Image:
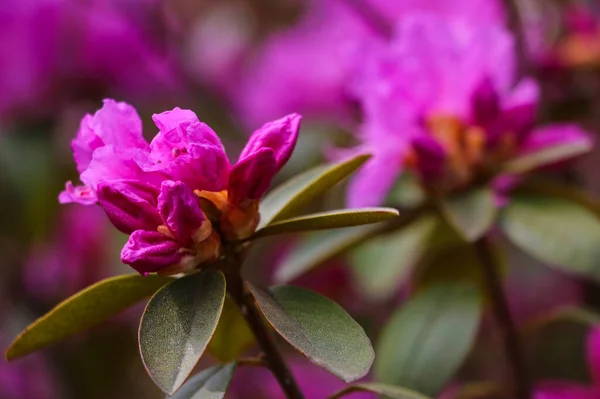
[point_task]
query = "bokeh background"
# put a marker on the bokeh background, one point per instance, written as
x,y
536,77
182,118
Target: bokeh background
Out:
x,y
237,64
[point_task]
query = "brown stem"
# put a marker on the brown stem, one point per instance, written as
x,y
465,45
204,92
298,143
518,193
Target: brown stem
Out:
x,y
504,320
264,337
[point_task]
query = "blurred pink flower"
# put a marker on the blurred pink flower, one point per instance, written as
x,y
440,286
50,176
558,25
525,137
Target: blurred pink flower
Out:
x,y
315,383
442,98
28,378
154,191
553,389
58,50
306,67
74,258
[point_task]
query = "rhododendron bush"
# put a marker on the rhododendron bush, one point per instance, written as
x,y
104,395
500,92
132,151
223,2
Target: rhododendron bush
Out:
x,y
305,199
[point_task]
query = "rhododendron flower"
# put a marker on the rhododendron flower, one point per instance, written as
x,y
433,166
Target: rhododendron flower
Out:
x,y
306,68
442,99
171,194
554,389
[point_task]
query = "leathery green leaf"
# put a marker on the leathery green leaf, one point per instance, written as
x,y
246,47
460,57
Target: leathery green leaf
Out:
x,y
471,213
319,328
320,247
381,264
427,339
547,156
177,324
300,190
211,383
556,231
83,310
232,336
328,220
386,390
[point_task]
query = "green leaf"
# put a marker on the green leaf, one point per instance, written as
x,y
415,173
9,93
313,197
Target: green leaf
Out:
x,y
556,231
211,383
407,192
388,391
381,264
177,324
328,220
471,213
426,341
319,328
547,156
283,201
83,310
321,247
569,193
232,336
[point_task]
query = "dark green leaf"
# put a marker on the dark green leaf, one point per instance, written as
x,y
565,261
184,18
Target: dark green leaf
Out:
x,y
300,190
319,328
382,263
388,391
319,248
85,309
554,230
426,340
547,156
208,384
328,220
471,213
177,325
232,336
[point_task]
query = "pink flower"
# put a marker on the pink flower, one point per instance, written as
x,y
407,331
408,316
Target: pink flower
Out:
x,y
441,98
569,390
306,68
159,193
74,257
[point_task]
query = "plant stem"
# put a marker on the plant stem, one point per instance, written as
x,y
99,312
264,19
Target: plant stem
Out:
x,y
264,337
504,320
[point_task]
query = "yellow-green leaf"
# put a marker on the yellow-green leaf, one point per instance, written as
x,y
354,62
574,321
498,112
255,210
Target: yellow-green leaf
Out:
x,y
427,339
177,325
211,383
320,247
319,328
328,220
232,336
559,232
547,156
471,213
381,264
300,190
387,391
85,309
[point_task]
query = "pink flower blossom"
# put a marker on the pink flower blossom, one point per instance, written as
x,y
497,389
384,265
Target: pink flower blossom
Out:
x,y
306,68
442,98
158,192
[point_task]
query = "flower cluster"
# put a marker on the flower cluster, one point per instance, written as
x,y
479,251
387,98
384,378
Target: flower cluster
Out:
x,y
442,99
178,197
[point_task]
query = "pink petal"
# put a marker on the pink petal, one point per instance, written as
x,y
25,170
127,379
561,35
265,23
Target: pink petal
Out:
x,y
118,124
180,210
129,204
169,120
150,252
279,135
553,144
593,354
372,183
251,177
85,142
78,194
